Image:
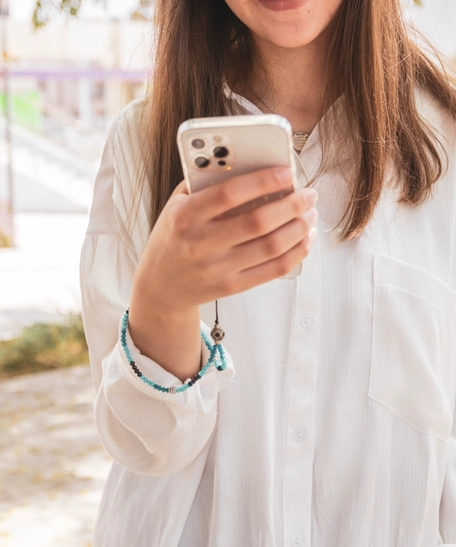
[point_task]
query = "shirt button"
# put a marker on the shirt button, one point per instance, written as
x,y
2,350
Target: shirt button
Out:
x,y
297,541
306,321
299,434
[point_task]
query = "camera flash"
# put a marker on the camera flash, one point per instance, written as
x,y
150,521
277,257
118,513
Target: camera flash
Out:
x,y
217,138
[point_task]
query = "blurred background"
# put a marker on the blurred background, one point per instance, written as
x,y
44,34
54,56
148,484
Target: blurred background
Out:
x,y
67,68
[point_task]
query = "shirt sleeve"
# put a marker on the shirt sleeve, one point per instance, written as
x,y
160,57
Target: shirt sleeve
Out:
x,y
144,430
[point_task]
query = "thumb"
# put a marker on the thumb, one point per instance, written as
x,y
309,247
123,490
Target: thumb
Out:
x,y
181,188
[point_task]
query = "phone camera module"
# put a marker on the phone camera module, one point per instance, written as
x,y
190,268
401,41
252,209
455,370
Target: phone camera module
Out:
x,y
221,152
201,161
198,143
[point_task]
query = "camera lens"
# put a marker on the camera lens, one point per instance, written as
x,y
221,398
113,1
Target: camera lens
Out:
x,y
201,161
221,152
198,143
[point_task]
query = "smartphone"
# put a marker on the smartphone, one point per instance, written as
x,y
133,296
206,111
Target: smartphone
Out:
x,y
216,149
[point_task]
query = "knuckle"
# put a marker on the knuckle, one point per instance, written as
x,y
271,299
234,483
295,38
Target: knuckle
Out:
x,y
272,246
265,180
298,204
211,272
258,221
178,219
226,195
194,251
283,266
228,286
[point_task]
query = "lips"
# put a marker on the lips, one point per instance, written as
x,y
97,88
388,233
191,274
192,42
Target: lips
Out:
x,y
282,5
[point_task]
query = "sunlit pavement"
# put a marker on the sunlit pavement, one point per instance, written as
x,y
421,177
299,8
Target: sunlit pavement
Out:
x,y
39,278
52,465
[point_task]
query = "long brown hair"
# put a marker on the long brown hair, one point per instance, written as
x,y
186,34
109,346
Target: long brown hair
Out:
x,y
378,65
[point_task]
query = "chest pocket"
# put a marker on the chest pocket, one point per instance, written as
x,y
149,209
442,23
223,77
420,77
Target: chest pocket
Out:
x,y
413,365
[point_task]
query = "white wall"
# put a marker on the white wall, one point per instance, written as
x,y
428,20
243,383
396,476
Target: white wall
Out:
x,y
124,44
92,37
436,19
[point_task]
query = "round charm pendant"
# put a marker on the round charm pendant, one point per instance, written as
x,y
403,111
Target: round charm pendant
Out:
x,y
217,334
299,140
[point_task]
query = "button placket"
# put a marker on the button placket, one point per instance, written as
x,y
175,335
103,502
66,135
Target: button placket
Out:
x,y
299,434
297,540
306,321
297,494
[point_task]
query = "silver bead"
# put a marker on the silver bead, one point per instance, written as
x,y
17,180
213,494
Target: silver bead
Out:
x,y
217,334
172,390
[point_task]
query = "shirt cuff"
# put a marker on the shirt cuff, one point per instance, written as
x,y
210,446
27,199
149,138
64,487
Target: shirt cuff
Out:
x,y
200,397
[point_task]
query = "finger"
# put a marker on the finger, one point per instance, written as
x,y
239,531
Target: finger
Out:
x,y
277,267
265,219
270,246
181,188
220,198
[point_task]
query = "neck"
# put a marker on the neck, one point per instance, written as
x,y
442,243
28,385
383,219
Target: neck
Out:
x,y
290,82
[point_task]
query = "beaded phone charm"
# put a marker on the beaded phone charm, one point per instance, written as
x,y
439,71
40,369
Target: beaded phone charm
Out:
x,y
217,356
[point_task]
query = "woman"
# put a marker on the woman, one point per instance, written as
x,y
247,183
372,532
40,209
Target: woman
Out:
x,y
338,427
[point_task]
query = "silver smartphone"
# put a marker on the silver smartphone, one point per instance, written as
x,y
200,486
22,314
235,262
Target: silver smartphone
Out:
x,y
216,149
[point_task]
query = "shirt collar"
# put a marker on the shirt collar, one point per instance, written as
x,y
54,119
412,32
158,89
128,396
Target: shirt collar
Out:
x,y
311,154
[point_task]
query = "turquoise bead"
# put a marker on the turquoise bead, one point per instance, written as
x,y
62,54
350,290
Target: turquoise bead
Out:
x,y
214,349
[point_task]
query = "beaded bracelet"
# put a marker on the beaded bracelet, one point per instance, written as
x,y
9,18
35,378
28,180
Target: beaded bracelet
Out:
x,y
217,357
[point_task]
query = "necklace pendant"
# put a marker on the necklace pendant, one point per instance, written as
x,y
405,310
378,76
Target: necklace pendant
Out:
x,y
299,140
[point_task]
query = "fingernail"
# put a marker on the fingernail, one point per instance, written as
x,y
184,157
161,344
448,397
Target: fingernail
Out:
x,y
311,215
313,234
283,174
312,197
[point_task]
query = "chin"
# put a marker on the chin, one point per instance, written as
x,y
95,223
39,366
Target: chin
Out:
x,y
286,23
290,39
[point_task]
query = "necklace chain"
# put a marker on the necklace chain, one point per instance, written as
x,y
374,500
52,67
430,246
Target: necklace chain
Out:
x,y
299,137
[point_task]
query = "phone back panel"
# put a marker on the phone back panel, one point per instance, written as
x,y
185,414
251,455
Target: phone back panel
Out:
x,y
233,145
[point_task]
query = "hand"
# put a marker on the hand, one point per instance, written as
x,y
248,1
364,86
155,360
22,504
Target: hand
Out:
x,y
193,257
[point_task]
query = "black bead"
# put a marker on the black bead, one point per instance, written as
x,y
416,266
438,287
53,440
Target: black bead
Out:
x,y
127,312
139,373
132,363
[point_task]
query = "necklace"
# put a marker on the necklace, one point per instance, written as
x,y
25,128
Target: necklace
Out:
x,y
299,137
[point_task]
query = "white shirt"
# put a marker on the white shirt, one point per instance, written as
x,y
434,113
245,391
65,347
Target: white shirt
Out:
x,y
338,428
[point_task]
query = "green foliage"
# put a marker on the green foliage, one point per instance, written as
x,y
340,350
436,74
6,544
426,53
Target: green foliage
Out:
x,y
45,10
144,11
45,346
5,240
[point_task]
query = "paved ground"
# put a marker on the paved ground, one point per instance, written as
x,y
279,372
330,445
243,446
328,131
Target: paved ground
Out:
x,y
52,465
